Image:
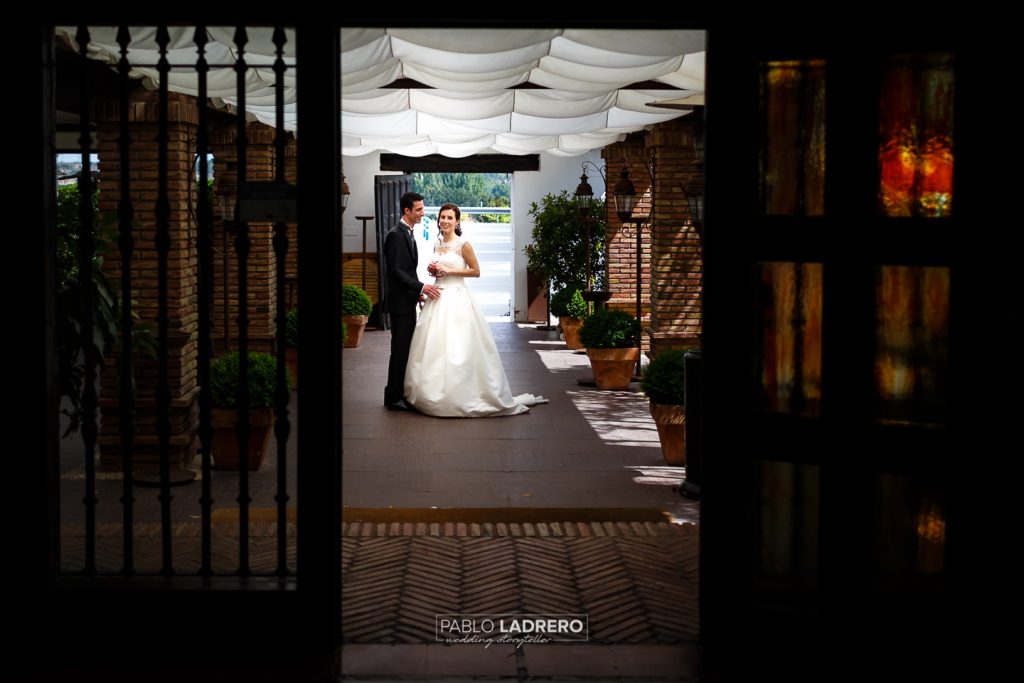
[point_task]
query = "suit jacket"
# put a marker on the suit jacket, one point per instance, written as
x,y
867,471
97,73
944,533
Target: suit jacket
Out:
x,y
403,288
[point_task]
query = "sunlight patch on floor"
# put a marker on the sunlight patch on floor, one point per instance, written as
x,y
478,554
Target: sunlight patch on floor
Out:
x,y
618,417
659,476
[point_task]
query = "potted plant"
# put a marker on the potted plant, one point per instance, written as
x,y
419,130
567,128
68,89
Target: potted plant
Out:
x,y
610,335
558,250
663,382
291,340
355,310
224,389
569,306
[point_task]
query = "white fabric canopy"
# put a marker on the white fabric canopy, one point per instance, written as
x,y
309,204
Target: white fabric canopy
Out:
x,y
574,100
469,72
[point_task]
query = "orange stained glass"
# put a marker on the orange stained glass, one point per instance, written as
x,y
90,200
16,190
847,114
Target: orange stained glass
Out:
x,y
912,343
915,155
909,528
790,302
792,149
788,523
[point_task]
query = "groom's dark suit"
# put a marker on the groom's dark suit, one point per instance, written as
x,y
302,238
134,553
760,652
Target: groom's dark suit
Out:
x,y
400,260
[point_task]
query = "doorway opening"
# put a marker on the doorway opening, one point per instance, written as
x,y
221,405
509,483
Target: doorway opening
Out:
x,y
485,203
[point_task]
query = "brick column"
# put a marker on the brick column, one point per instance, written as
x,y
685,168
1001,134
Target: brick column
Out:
x,y
262,304
676,256
291,267
182,267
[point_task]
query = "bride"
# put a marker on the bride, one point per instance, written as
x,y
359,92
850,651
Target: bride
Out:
x,y
454,369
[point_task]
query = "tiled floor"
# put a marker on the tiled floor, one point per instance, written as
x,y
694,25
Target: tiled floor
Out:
x,y
585,449
589,459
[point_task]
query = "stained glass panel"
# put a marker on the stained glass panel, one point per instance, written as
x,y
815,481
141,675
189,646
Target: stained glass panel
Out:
x,y
915,155
790,301
792,150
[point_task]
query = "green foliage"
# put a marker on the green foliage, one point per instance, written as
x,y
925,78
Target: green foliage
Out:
x,y
558,251
73,347
355,301
662,380
67,233
609,328
577,306
224,380
464,189
291,327
562,298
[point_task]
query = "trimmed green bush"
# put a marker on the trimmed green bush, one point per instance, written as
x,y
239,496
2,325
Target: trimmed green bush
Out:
x,y
560,301
663,379
291,327
577,306
355,301
224,383
609,328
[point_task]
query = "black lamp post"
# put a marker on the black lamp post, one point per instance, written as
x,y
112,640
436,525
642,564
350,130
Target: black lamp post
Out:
x,y
585,204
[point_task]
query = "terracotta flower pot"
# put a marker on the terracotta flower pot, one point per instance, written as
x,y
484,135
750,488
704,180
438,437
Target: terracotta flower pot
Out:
x,y
225,440
671,422
356,324
613,368
571,330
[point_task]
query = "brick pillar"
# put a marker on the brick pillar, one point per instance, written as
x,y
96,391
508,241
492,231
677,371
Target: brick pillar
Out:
x,y
182,268
676,256
631,154
262,303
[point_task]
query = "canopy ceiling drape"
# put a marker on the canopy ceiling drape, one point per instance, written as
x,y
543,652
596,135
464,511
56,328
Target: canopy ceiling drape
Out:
x,y
454,92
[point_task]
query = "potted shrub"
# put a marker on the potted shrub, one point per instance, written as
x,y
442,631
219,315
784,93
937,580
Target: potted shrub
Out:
x,y
355,310
610,336
291,351
569,306
224,388
557,252
663,382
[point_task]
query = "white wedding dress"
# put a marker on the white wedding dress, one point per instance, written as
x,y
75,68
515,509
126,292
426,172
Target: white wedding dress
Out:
x,y
454,368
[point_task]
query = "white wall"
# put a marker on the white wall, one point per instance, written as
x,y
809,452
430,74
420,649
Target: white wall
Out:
x,y
359,173
555,174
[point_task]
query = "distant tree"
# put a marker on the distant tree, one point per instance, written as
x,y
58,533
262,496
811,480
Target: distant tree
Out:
x,y
464,189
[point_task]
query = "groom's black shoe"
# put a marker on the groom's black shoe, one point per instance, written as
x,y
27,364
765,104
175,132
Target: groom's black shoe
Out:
x,y
399,405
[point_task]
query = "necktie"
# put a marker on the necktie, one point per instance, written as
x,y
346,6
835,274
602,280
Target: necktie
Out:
x,y
412,242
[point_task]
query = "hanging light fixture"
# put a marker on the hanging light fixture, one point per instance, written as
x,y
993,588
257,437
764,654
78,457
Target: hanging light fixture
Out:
x,y
624,195
584,196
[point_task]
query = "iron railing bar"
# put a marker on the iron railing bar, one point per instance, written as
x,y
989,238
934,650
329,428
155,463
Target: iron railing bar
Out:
x,y
242,244
212,65
205,256
126,245
163,245
282,426
86,248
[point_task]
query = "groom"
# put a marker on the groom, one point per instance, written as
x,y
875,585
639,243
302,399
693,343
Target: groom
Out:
x,y
403,293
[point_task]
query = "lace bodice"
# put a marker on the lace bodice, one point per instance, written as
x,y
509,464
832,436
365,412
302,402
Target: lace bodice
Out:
x,y
450,255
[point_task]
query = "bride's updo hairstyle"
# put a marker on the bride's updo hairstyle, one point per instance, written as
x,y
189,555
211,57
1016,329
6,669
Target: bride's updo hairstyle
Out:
x,y
458,218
